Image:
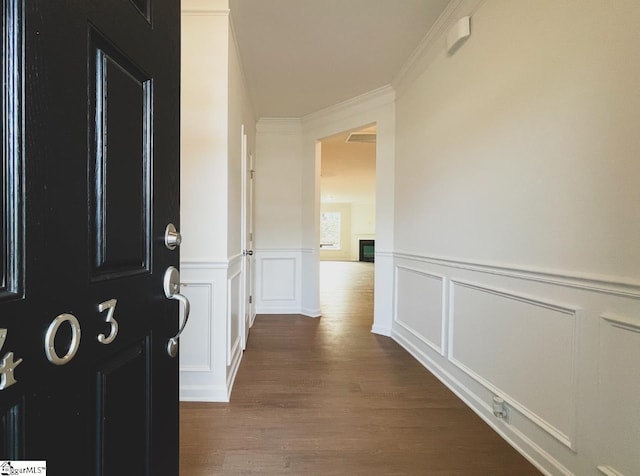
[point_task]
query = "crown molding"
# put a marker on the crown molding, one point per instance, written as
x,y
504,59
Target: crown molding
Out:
x,y
433,43
359,104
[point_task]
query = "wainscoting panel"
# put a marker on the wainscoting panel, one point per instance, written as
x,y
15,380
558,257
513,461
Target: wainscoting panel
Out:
x,y
278,286
278,279
234,317
195,356
208,362
420,306
527,337
559,350
619,375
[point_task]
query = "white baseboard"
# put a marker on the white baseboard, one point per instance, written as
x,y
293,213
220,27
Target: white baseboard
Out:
x,y
278,310
383,331
311,312
204,393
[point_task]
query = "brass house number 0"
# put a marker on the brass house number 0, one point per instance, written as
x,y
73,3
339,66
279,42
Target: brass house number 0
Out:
x,y
8,364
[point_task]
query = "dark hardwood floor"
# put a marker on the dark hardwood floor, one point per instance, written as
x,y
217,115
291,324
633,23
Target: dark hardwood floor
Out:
x,y
327,397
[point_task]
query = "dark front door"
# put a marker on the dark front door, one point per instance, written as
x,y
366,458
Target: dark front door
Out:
x,y
90,158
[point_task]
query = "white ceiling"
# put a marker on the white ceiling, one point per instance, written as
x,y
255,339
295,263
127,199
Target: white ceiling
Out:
x,y
301,56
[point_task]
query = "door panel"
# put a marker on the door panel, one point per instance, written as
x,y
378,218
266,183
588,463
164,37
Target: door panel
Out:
x,y
123,398
144,7
82,233
120,118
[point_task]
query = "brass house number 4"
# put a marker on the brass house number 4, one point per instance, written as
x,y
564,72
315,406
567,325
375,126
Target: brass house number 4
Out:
x,y
8,364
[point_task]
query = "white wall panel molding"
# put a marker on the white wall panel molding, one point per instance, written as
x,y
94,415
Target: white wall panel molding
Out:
x,y
203,264
233,316
354,106
619,393
623,322
280,251
198,334
236,358
515,327
589,282
278,281
564,359
235,259
420,305
545,462
278,277
205,346
609,471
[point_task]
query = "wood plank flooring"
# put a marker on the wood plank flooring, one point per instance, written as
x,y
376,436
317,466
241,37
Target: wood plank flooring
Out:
x,y
326,397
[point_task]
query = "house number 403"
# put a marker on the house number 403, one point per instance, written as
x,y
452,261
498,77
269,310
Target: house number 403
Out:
x,y
8,364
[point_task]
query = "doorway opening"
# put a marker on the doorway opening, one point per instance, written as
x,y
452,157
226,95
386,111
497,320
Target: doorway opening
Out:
x,y
347,209
347,193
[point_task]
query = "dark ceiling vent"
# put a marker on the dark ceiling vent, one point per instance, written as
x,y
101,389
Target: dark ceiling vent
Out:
x,y
366,137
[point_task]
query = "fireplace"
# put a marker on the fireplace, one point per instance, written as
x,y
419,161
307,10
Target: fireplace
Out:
x,y
367,250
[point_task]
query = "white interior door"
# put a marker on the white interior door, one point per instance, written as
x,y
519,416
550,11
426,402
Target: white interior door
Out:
x,y
247,240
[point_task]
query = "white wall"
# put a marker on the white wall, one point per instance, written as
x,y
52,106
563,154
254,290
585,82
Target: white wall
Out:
x,y
517,266
215,110
278,228
204,125
278,185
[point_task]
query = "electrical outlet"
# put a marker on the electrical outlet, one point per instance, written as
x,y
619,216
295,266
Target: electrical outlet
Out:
x,y
500,408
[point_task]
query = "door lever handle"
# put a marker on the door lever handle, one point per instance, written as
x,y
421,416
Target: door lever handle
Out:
x,y
171,286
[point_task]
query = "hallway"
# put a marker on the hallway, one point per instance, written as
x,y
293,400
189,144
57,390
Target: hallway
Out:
x,y
326,397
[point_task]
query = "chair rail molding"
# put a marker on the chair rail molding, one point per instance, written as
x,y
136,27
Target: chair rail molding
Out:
x,y
590,282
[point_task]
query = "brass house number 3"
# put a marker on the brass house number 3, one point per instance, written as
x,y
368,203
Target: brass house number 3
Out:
x,y
8,364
